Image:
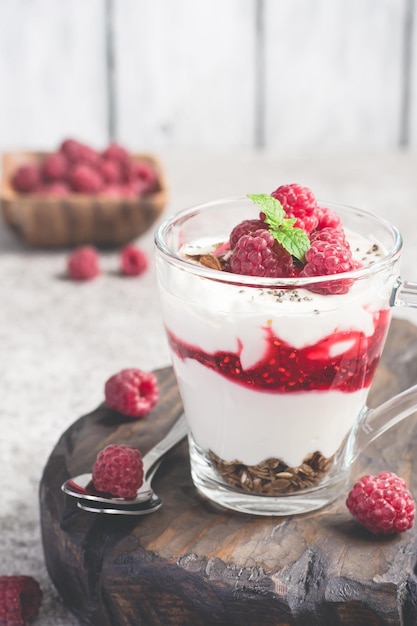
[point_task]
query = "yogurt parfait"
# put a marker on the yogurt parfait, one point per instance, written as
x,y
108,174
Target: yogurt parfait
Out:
x,y
276,309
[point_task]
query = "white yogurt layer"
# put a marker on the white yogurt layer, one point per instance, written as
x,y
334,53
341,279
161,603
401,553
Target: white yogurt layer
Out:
x,y
238,423
246,424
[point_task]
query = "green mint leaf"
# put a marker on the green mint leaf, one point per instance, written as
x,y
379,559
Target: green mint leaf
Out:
x,y
274,213
289,222
294,240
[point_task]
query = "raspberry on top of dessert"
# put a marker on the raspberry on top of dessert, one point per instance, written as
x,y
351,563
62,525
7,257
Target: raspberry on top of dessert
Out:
x,y
292,237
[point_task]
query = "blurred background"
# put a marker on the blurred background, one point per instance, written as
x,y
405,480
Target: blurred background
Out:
x,y
283,75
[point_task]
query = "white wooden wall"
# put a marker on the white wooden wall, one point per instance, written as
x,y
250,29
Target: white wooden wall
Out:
x,y
285,75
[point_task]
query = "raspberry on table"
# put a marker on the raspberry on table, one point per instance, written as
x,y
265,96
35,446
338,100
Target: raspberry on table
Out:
x,y
245,228
259,254
300,203
20,600
27,178
382,503
132,392
83,178
133,261
83,263
118,471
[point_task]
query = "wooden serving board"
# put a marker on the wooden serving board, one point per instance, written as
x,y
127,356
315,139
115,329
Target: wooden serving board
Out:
x,y
192,563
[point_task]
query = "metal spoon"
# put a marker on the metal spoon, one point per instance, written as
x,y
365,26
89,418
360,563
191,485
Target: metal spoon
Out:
x,y
150,506
146,500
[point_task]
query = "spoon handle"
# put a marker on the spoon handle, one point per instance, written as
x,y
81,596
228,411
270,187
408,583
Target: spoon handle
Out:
x,y
175,434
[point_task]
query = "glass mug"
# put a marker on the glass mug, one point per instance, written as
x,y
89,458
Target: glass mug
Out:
x,y
273,375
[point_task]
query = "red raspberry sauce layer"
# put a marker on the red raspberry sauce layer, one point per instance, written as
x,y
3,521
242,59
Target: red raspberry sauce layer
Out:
x,y
284,369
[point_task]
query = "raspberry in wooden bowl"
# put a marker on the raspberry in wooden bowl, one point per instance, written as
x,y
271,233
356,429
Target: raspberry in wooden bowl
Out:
x,y
78,195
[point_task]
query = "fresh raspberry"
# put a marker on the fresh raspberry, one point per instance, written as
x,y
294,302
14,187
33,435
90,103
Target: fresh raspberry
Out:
x,y
329,254
27,178
112,191
245,228
118,471
116,152
20,600
85,179
133,261
77,152
56,189
136,188
382,503
142,172
331,235
83,263
111,171
259,254
132,392
54,167
328,219
300,203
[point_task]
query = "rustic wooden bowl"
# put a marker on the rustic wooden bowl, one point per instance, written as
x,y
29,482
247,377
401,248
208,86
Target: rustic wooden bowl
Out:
x,y
76,219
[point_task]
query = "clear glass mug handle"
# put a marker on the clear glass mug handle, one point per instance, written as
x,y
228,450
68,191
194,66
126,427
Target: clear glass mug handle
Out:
x,y
404,293
375,422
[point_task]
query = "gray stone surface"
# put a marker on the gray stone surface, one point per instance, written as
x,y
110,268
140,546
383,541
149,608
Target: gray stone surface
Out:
x,y
60,340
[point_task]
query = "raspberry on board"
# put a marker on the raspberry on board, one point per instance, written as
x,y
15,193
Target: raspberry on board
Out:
x,y
259,254
132,392
298,202
83,263
20,600
133,261
382,503
118,471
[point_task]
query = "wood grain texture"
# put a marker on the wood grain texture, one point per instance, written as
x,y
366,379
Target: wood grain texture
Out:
x,y
194,564
52,72
315,74
185,72
333,73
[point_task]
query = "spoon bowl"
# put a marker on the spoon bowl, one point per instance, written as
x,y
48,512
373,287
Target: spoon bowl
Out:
x,y
145,500
150,505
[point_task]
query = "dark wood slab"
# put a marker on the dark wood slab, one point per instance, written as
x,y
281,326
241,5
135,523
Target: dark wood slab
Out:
x,y
194,564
